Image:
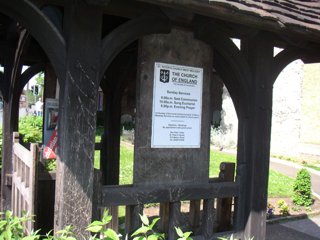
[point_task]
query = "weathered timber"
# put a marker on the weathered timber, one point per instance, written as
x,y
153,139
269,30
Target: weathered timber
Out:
x,y
174,165
7,127
228,61
50,82
224,205
131,195
29,73
114,223
23,180
174,219
164,217
133,221
208,219
41,28
254,139
129,32
77,118
194,214
119,74
282,59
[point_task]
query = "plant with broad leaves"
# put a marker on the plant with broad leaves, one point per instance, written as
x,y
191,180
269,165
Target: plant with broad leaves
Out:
x,y
99,228
232,238
64,234
183,235
11,227
146,231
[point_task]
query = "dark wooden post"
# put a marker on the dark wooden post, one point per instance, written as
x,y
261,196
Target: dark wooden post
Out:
x,y
50,82
174,164
208,218
7,128
254,137
77,117
224,205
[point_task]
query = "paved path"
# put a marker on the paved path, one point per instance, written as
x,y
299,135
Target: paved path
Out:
x,y
290,169
304,229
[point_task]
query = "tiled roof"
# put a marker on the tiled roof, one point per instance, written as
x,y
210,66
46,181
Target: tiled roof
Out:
x,y
288,13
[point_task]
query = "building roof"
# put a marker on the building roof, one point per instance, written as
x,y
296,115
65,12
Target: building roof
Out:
x,y
289,13
292,17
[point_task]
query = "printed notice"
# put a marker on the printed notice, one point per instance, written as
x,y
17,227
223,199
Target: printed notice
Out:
x,y
177,105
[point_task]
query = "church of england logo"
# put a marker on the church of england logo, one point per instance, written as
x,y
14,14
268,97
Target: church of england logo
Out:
x,y
164,75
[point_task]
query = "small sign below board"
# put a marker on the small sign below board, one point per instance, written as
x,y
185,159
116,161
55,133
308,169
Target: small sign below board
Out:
x,y
177,106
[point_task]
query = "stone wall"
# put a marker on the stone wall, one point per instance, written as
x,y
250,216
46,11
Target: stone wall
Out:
x,y
310,105
296,112
286,117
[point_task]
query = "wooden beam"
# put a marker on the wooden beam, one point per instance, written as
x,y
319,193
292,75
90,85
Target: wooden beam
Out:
x,y
77,118
41,28
30,73
7,128
233,67
121,72
254,139
131,195
129,32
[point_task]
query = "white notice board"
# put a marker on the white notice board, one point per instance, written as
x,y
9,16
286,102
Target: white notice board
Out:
x,y
177,106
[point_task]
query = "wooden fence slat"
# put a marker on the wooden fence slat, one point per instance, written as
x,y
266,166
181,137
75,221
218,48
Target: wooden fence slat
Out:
x,y
224,205
208,218
174,219
164,217
194,214
23,179
133,221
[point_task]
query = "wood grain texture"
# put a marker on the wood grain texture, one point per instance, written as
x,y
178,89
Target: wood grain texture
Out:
x,y
130,195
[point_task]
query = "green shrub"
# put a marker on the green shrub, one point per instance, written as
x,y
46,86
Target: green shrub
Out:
x,y
30,128
302,189
12,228
284,208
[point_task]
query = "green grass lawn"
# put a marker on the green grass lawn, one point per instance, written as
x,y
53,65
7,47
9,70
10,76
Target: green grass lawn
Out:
x,y
279,185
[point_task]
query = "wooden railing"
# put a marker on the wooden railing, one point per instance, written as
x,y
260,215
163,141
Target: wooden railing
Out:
x,y
210,205
23,179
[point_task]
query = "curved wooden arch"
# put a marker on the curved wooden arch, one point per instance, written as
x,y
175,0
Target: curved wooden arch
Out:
x,y
30,73
129,32
41,28
283,59
230,63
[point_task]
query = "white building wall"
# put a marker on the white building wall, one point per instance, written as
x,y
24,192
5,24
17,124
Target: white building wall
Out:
x,y
286,119
286,115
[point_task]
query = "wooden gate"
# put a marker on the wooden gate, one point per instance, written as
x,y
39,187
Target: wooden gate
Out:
x,y
23,179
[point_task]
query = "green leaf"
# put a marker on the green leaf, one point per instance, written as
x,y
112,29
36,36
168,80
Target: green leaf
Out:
x,y
153,237
154,221
71,238
31,238
141,230
144,219
111,234
94,228
96,223
179,232
187,234
140,238
106,217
